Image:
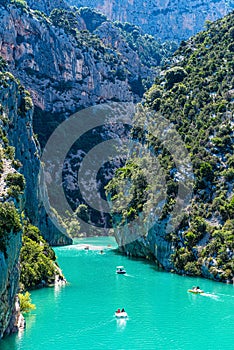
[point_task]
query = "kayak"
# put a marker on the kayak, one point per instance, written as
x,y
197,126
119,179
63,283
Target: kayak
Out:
x,y
196,291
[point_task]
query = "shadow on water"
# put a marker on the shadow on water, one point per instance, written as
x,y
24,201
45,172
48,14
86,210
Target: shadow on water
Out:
x,y
133,258
9,343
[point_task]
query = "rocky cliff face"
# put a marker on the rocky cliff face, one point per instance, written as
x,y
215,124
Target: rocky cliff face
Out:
x,y
171,19
46,60
9,278
18,109
193,236
67,68
16,130
10,238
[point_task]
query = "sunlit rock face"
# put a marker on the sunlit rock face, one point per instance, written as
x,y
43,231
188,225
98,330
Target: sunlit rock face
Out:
x,y
16,130
167,19
63,75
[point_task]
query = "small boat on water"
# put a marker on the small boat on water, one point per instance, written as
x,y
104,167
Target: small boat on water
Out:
x,y
196,290
120,270
121,314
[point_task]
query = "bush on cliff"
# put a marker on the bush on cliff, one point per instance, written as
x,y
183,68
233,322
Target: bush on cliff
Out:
x,y
26,302
195,94
37,260
9,222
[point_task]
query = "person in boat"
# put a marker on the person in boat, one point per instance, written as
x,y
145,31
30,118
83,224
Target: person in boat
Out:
x,y
122,310
196,288
118,311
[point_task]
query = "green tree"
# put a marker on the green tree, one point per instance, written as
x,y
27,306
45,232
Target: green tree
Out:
x,y
92,18
9,222
37,260
26,302
174,75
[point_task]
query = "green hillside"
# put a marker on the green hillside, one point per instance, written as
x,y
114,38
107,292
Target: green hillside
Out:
x,y
196,94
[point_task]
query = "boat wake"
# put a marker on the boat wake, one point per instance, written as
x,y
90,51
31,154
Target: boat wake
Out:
x,y
209,295
127,275
97,325
226,295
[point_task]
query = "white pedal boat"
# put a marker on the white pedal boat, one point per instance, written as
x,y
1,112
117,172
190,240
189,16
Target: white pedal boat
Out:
x,y
120,270
121,314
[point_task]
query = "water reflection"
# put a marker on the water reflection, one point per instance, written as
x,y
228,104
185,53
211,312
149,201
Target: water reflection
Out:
x,y
121,323
57,288
20,333
30,320
60,282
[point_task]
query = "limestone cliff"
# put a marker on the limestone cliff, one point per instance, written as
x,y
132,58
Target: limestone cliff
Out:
x,y
193,144
18,109
67,66
68,69
11,205
170,19
18,150
9,278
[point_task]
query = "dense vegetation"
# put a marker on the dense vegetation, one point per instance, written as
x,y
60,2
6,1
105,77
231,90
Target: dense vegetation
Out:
x,y
37,260
18,3
150,51
196,94
92,18
9,222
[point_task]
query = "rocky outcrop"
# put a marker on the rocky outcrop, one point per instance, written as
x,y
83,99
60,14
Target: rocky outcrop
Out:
x,y
66,73
62,76
18,110
9,278
111,36
67,69
192,233
16,130
10,240
145,238
174,19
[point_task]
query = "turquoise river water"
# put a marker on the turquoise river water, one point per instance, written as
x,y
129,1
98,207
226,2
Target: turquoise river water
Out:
x,y
162,314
